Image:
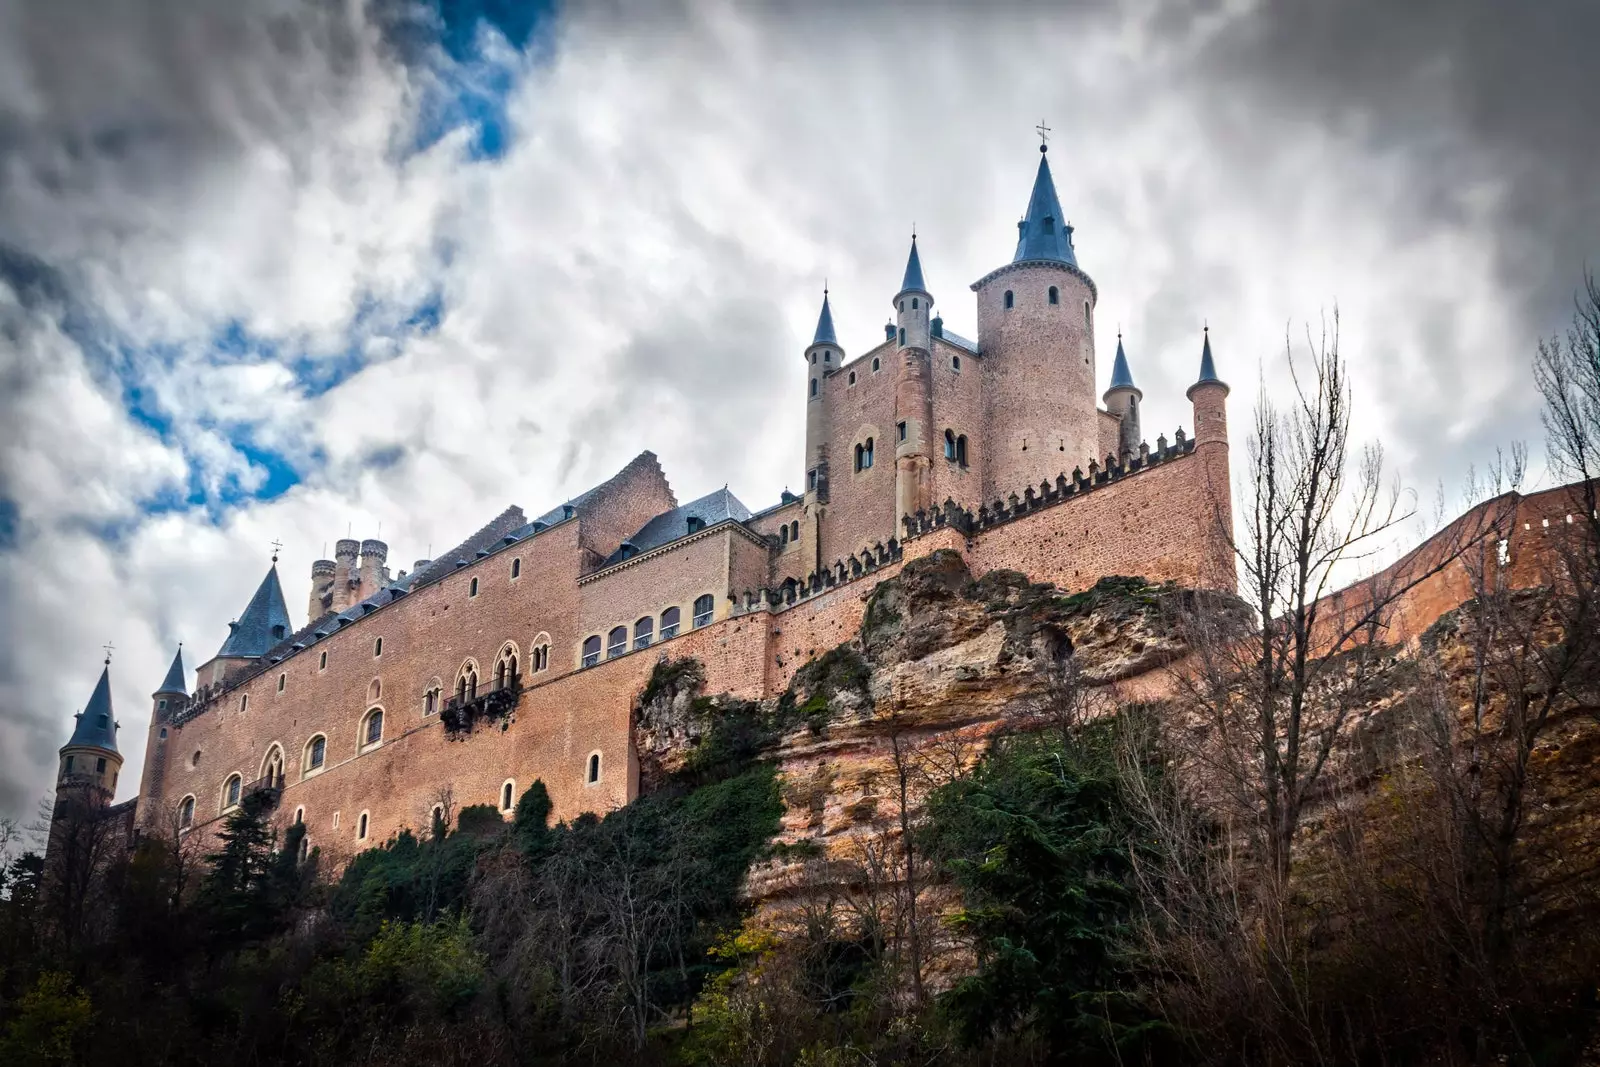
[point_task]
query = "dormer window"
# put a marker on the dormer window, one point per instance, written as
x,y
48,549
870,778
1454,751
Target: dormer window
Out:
x,y
278,633
628,551
696,524
1049,224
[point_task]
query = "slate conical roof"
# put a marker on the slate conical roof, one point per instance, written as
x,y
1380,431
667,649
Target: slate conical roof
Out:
x,y
173,682
825,334
96,727
264,623
1043,233
1121,376
1208,367
913,279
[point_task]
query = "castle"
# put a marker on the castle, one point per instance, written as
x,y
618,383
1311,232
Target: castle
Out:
x,y
518,654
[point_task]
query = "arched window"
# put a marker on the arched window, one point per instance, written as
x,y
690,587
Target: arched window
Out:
x,y
361,827
949,444
859,452
961,450
377,648
704,606
783,536
875,364
1086,317
505,667
231,790
955,362
372,729
316,753
507,794
516,568
902,335
322,663
591,650
375,690
866,454
794,530
592,773
467,682
616,642
272,766
669,623
813,357
1055,295
299,816
430,699
852,377
244,703
813,387
472,590
1010,300
186,813
914,304
282,680
644,631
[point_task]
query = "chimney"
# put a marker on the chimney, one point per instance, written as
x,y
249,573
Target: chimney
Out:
x,y
322,572
346,575
374,575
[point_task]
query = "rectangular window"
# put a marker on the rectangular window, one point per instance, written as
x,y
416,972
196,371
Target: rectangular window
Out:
x,y
281,679
244,702
902,428
100,765
69,764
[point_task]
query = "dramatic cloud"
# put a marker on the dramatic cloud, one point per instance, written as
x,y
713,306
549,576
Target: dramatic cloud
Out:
x,y
276,271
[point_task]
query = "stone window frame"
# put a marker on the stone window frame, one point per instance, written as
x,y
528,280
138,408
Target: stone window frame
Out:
x,y
509,654
232,792
186,807
866,434
877,364
435,690
244,703
375,690
472,588
336,820
698,618
643,629
377,646
539,653
283,761
617,647
516,567
283,680
851,380
955,363
1008,301
194,759
508,795
676,624
587,658
593,769
322,664
307,769
363,824
362,742
469,671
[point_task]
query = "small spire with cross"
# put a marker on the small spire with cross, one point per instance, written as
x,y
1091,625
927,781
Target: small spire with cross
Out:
x,y
277,546
1044,136
109,648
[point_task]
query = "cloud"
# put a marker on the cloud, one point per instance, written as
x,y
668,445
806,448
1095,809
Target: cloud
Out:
x,y
283,271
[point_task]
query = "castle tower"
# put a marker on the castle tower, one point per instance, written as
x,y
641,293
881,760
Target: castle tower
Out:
x,y
374,575
321,601
263,623
346,574
822,355
1209,396
1123,399
913,393
87,777
1036,337
166,701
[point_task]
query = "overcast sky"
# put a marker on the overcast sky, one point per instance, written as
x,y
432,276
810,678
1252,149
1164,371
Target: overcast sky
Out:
x,y
279,271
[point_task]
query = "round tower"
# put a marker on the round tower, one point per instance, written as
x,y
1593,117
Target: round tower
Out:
x,y
1209,396
165,702
374,573
1036,337
86,778
1122,400
347,574
322,574
823,355
913,393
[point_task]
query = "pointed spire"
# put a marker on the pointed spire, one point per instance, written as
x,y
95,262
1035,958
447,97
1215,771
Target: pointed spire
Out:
x,y
1208,366
1043,233
825,334
96,727
173,683
264,623
913,280
1121,376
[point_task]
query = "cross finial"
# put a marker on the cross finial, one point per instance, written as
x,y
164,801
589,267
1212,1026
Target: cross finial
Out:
x,y
109,648
1044,136
276,547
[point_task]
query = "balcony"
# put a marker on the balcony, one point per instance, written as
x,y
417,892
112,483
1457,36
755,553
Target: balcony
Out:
x,y
270,786
494,702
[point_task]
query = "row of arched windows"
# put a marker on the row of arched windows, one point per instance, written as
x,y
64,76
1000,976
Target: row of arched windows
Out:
x,y
617,641
955,447
789,532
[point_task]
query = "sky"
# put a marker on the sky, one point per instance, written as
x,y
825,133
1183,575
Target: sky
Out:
x,y
288,271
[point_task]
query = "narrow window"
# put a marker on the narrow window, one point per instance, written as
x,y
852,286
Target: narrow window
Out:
x,y
961,450
813,387
231,792
949,445
794,529
282,678
1055,295
827,357
430,702
866,455
813,358
902,305
902,336
361,828
955,362
852,377
516,568
194,760
900,428
783,537
374,726
186,813
472,590
594,768
704,606
1049,226
543,654
375,690
811,479
1009,300
616,642
914,303
875,364
100,765
377,648
299,816
1086,318
669,623
305,848
591,650
68,767
322,664
244,702
335,820
644,632
316,751
161,705
505,796
859,451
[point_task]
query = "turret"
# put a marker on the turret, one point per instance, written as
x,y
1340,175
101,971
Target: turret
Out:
x,y
913,393
823,355
263,623
90,763
1209,395
1123,399
321,601
346,574
374,575
1036,336
166,701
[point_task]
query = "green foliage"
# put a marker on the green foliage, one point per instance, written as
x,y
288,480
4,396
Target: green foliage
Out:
x,y
46,1027
1039,840
407,881
250,886
531,823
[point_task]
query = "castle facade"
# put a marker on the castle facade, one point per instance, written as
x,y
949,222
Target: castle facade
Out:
x,y
518,654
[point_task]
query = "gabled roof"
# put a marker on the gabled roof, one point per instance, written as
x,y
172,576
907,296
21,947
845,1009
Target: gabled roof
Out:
x,y
264,623
1043,233
671,525
913,279
825,334
173,683
1121,376
96,727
